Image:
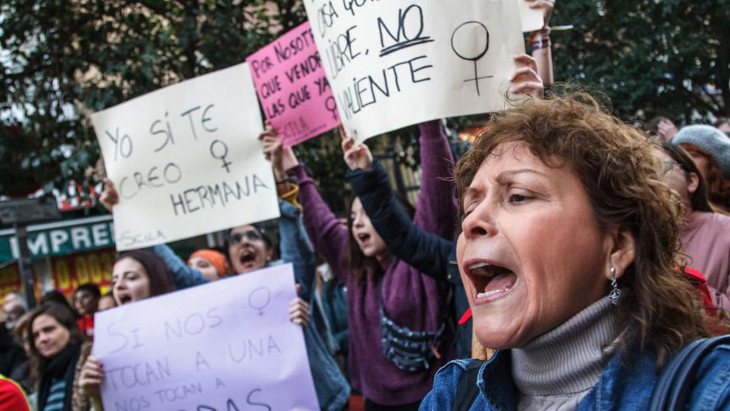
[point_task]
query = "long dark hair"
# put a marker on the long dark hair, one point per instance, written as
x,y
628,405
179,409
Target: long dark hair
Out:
x,y
362,267
64,315
700,199
157,271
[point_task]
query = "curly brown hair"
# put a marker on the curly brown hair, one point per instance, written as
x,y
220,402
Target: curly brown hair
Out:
x,y
616,165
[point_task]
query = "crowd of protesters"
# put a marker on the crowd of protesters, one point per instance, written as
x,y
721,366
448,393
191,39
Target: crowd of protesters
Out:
x,y
562,263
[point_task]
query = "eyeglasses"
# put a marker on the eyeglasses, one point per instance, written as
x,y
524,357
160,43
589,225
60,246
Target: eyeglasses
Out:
x,y
668,166
250,235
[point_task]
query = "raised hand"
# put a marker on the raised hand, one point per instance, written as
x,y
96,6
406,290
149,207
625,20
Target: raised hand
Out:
x,y
666,130
109,196
282,158
299,312
92,374
356,155
525,79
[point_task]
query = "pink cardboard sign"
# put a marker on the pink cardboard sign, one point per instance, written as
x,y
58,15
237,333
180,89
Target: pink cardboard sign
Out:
x,y
292,86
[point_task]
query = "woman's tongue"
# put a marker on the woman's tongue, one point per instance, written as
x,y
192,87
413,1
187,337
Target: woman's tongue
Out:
x,y
500,283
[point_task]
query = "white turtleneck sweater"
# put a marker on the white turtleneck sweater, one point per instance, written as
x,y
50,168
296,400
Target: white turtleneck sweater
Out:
x,y
556,370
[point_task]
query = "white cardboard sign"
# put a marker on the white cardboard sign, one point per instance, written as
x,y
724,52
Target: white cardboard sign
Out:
x,y
227,345
400,62
186,161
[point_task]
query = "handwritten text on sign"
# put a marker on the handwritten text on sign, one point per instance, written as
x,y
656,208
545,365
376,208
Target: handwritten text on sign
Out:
x,y
186,160
228,345
292,86
401,62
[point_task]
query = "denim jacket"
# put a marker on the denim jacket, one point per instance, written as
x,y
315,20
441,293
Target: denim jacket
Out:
x,y
330,385
623,385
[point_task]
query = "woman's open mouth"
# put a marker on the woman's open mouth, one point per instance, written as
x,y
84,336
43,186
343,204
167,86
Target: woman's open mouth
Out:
x,y
125,299
247,257
491,281
363,238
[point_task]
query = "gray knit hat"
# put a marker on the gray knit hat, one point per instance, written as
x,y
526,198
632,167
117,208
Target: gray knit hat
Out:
x,y
709,139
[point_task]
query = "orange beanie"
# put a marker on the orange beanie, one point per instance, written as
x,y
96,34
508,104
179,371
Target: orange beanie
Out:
x,y
215,258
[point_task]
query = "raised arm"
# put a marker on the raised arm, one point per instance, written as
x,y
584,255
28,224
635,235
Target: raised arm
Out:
x,y
436,207
295,248
324,230
540,45
424,251
294,245
183,276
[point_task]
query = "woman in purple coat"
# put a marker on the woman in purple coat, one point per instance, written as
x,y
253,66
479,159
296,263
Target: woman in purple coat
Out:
x,y
397,315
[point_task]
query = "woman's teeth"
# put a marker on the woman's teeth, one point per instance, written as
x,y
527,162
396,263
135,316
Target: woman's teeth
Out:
x,y
493,292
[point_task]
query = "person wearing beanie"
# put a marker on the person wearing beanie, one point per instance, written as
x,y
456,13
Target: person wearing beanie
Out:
x,y
710,151
213,264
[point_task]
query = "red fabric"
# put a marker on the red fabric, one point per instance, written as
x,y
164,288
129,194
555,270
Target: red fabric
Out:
x,y
86,325
12,397
465,317
698,280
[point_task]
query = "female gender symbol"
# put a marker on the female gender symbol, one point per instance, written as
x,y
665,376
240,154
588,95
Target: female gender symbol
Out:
x,y
476,35
259,299
331,106
220,156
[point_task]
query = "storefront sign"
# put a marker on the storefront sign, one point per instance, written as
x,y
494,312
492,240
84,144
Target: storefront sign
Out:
x,y
61,238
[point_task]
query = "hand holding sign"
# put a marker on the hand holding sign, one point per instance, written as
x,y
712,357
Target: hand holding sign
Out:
x,y
357,155
92,375
299,312
525,79
282,158
109,196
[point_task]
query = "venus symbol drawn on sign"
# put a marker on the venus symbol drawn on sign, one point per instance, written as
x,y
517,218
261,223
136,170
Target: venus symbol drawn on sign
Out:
x,y
220,154
331,106
259,299
470,41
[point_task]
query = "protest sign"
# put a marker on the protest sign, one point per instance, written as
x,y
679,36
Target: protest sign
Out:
x,y
292,86
532,19
186,160
227,345
395,63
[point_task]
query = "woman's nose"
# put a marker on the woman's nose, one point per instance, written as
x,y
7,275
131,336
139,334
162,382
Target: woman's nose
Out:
x,y
479,223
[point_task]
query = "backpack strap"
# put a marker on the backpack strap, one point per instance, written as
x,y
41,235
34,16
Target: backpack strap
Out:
x,y
467,390
678,378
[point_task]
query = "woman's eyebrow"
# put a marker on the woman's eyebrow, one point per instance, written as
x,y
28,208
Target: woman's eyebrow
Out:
x,y
504,175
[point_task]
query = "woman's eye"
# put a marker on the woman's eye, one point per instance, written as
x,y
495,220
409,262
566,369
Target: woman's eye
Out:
x,y
469,207
517,198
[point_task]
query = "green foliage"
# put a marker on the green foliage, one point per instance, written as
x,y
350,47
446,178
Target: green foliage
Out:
x,y
651,57
65,59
